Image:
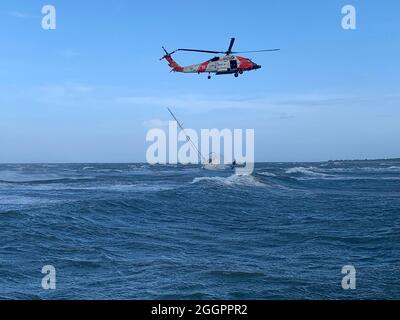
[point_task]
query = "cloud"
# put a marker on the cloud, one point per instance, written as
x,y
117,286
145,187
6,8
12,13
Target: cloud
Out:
x,y
69,53
282,116
193,101
329,100
66,94
63,90
231,102
18,14
282,106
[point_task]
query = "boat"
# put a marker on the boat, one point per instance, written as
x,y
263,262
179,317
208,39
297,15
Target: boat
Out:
x,y
210,162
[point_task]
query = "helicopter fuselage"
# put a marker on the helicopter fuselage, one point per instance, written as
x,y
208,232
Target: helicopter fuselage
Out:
x,y
229,64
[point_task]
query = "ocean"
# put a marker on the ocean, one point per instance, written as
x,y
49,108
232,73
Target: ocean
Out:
x,y
135,231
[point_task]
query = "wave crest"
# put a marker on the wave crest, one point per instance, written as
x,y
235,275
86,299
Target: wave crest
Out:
x,y
234,180
305,171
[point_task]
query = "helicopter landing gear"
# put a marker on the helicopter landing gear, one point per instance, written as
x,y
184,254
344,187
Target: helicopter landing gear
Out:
x,y
240,71
209,77
236,75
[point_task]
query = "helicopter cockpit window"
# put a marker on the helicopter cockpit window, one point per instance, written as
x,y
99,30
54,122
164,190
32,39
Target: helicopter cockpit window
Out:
x,y
214,59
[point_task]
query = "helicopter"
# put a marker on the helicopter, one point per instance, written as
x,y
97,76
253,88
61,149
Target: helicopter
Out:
x,y
229,63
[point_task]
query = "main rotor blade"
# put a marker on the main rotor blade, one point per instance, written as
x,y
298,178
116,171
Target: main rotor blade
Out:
x,y
202,51
268,50
231,46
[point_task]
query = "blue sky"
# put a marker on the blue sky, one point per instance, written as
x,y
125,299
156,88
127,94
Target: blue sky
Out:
x,y
89,90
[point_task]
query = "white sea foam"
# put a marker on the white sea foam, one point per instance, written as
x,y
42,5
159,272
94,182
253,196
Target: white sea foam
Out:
x,y
238,180
88,168
267,174
109,170
306,171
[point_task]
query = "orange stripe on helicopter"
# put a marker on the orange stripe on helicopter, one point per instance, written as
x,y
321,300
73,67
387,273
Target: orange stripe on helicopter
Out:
x,y
176,67
203,67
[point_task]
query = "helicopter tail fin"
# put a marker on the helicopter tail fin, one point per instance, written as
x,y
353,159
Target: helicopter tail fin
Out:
x,y
171,62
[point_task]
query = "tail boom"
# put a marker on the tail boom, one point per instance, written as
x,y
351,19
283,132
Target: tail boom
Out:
x,y
171,62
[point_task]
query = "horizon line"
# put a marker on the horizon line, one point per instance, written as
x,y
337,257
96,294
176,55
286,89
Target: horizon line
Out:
x,y
194,164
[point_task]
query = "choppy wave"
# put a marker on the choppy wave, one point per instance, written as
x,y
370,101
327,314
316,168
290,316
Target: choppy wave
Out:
x,y
88,168
375,169
24,200
364,169
267,174
12,176
131,188
343,173
233,180
191,231
311,171
17,177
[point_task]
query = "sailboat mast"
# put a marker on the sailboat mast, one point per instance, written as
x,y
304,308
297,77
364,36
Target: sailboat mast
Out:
x,y
187,137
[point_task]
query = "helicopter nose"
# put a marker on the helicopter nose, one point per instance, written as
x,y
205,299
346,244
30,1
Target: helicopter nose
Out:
x,y
256,66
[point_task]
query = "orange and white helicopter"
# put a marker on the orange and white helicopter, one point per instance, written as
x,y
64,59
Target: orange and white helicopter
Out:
x,y
227,64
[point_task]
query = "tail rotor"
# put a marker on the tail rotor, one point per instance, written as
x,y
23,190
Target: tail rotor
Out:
x,y
171,62
167,54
